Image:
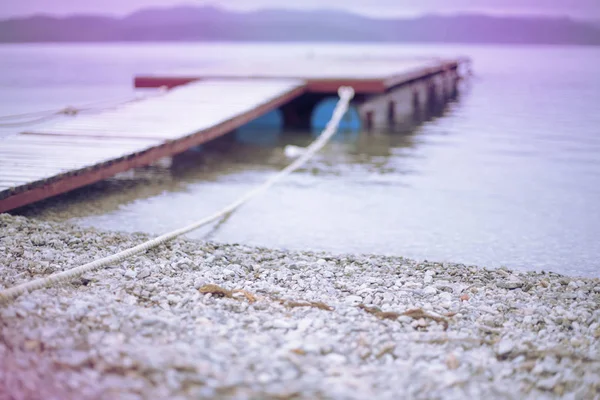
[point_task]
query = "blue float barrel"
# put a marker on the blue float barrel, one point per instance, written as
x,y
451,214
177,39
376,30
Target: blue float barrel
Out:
x,y
324,110
263,130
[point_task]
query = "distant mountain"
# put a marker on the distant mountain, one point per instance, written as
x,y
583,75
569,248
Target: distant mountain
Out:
x,y
214,24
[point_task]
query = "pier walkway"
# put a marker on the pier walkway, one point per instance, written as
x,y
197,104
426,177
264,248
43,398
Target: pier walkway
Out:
x,y
45,162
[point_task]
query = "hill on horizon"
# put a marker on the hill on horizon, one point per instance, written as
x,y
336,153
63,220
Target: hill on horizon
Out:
x,y
277,25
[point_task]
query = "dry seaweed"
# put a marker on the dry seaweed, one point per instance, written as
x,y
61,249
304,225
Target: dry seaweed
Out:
x,y
445,340
216,290
416,313
249,296
315,304
219,291
388,315
380,314
302,303
370,310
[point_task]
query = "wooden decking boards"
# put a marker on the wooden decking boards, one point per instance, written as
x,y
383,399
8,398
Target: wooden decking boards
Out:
x,y
44,162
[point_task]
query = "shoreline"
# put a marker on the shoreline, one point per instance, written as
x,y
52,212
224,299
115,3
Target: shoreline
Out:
x,y
193,319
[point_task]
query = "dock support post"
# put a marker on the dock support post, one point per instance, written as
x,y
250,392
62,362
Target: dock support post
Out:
x,y
431,97
391,117
369,121
416,105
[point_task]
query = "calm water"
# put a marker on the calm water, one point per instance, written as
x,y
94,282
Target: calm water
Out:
x,y
508,175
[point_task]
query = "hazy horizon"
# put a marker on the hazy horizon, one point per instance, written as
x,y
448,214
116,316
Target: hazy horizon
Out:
x,y
579,9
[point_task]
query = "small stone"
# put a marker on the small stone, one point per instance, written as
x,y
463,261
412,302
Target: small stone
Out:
x,y
32,345
198,283
264,378
283,324
349,270
570,296
74,359
510,284
464,297
571,316
549,383
28,305
144,273
445,296
505,347
335,359
572,285
420,323
304,324
172,299
228,273
452,362
429,291
428,279
353,299
130,273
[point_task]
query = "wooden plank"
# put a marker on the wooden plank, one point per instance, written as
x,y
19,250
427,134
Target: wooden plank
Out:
x,y
28,138
7,161
32,176
65,151
77,151
101,145
70,151
14,182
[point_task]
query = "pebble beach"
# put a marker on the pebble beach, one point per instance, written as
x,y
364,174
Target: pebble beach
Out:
x,y
194,320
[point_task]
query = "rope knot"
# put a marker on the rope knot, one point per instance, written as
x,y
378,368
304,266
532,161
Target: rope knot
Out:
x,y
69,111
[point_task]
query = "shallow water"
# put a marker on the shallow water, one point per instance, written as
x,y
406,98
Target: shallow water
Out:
x,y
509,174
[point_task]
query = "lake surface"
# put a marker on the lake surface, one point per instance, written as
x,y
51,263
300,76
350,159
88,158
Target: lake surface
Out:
x,y
508,175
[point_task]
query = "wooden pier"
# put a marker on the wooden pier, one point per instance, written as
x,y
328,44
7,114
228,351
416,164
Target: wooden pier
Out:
x,y
201,105
42,163
322,75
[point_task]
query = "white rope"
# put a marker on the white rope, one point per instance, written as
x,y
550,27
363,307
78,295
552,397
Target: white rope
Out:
x,y
346,94
18,120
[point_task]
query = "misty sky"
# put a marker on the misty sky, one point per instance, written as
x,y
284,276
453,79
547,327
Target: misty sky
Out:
x,y
589,9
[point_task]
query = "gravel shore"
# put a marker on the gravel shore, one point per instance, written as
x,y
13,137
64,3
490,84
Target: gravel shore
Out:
x,y
203,320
